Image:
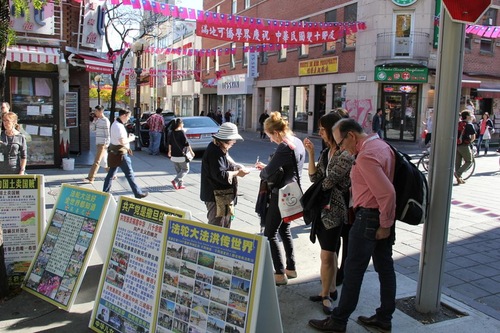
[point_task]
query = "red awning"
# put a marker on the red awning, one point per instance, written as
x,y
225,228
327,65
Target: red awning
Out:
x,y
96,65
470,82
33,54
489,90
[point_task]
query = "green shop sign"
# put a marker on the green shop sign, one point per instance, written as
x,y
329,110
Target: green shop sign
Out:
x,y
404,3
402,74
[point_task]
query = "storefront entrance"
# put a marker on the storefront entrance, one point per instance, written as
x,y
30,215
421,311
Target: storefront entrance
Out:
x,y
401,111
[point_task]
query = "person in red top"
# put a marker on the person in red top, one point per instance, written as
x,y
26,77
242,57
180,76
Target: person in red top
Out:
x,y
156,124
373,233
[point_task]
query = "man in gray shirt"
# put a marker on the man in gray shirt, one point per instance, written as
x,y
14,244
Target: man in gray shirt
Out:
x,y
100,126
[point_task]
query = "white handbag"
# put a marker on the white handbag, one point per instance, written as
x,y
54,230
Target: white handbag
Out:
x,y
289,202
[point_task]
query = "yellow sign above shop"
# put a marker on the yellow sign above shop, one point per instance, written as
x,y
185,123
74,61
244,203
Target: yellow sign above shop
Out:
x,y
319,66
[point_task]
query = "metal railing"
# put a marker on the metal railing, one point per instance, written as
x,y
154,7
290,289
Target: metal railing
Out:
x,y
414,47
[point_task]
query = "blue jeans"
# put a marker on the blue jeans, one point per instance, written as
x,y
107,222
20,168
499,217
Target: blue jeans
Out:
x,y
362,247
126,167
274,225
154,142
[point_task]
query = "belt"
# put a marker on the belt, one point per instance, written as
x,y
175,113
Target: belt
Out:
x,y
357,209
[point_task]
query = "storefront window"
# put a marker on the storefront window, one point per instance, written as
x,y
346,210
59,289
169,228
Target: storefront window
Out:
x,y
285,102
339,95
33,101
301,108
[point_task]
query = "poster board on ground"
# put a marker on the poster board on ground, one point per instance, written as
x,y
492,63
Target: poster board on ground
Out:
x,y
22,215
212,281
125,300
62,256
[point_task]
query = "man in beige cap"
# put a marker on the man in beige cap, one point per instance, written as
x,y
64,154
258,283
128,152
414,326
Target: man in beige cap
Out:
x,y
219,175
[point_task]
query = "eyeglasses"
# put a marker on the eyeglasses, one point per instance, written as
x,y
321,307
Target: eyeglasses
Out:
x,y
339,144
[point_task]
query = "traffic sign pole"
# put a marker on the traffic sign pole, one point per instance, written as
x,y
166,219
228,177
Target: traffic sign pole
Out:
x,y
443,151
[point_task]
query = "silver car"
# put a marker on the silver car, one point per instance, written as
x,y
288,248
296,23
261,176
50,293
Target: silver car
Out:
x,y
199,131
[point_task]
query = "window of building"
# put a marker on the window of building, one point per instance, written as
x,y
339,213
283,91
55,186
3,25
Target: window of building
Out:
x,y
350,15
330,16
245,54
217,62
304,48
176,67
233,56
301,107
468,40
339,95
402,37
208,64
217,9
263,57
234,7
187,68
247,4
489,19
282,53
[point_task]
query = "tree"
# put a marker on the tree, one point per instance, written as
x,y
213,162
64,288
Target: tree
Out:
x,y
124,23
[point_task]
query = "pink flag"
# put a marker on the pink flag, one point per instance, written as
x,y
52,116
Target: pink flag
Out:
x,y
136,4
146,5
126,2
183,13
156,7
165,9
115,2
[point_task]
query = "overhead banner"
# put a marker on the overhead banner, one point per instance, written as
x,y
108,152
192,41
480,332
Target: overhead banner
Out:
x,y
294,33
62,256
22,216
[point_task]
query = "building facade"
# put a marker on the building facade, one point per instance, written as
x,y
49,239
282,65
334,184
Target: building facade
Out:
x,y
48,76
390,65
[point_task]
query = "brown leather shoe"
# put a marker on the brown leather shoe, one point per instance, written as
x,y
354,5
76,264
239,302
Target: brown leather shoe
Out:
x,y
374,322
280,279
327,325
291,274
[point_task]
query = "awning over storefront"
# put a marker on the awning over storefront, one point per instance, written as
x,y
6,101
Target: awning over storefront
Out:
x,y
489,90
33,54
470,82
93,64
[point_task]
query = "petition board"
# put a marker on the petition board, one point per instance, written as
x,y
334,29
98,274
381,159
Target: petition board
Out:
x,y
62,256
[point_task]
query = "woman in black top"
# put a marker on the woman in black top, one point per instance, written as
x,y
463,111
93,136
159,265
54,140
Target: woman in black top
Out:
x,y
13,148
177,144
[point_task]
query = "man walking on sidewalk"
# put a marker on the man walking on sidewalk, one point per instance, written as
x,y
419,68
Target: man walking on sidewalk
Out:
x,y
100,125
156,124
372,234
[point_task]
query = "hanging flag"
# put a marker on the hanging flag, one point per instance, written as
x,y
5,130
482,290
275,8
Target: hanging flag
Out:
x,y
136,4
156,7
146,5
165,9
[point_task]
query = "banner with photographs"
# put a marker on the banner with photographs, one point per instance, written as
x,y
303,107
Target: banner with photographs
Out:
x,y
209,279
126,297
22,215
62,256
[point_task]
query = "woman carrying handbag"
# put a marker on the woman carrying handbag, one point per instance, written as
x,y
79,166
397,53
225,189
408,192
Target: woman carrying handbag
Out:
x,y
289,157
178,151
332,170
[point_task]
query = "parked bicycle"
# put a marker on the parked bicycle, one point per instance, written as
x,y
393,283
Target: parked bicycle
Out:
x,y
423,163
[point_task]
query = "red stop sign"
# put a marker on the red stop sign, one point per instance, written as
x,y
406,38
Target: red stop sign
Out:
x,y
466,11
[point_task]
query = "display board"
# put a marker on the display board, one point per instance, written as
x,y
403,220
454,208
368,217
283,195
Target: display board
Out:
x,y
62,256
71,109
195,277
22,215
126,296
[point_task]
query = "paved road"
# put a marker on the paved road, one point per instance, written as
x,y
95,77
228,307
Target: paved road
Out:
x,y
472,269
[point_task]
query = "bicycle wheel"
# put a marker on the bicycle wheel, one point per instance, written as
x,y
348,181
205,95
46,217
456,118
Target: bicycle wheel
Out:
x,y
423,162
466,175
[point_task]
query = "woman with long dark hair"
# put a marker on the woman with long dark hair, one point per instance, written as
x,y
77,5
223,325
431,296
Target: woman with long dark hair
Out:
x,y
178,145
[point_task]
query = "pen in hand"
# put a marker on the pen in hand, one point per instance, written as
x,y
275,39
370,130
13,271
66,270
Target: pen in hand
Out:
x,y
257,160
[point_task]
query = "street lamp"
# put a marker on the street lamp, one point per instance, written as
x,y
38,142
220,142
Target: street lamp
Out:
x,y
98,79
138,48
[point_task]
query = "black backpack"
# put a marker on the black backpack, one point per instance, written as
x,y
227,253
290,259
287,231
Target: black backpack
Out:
x,y
412,190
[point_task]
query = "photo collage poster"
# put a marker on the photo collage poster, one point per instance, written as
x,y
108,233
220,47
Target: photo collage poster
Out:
x,y
62,256
127,292
209,279
22,215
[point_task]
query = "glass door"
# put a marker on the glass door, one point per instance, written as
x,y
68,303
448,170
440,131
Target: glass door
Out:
x,y
35,100
401,110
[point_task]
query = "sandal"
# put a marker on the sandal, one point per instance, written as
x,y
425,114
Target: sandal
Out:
x,y
327,309
318,298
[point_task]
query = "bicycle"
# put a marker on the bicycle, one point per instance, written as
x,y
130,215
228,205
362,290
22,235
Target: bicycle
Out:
x,y
424,163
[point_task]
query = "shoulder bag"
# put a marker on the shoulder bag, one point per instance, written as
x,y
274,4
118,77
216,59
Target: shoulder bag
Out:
x,y
289,198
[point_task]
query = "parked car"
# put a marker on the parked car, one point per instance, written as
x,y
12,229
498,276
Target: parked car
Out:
x,y
199,131
144,135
